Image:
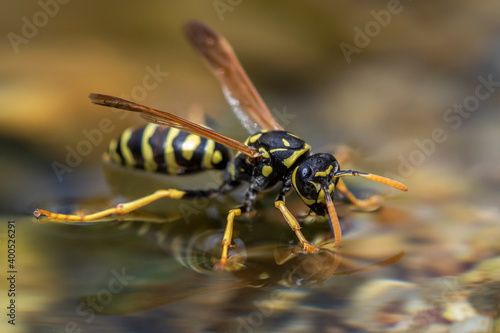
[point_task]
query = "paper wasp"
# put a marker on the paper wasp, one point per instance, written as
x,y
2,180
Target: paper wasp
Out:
x,y
270,156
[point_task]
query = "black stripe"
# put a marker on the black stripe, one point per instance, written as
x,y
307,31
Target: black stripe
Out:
x,y
177,147
134,144
157,142
118,150
198,154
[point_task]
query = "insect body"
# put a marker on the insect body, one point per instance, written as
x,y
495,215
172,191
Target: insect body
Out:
x,y
279,153
167,150
271,156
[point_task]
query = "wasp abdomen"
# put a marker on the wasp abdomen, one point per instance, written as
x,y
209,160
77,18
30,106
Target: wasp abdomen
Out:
x,y
167,150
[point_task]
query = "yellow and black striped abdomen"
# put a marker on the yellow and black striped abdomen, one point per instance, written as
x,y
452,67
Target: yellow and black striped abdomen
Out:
x,y
167,150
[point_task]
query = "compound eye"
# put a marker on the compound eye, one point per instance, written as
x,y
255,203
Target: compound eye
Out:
x,y
306,172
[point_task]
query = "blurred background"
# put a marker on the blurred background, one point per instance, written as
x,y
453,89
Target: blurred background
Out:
x,y
411,87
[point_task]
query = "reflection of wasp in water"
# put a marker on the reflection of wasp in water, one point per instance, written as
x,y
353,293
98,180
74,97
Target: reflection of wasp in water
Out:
x,y
270,156
187,273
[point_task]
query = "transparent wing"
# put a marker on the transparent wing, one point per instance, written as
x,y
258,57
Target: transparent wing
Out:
x,y
236,86
168,119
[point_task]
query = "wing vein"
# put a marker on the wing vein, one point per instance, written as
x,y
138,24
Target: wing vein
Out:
x,y
168,119
225,66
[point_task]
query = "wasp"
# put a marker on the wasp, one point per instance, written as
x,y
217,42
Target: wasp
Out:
x,y
270,156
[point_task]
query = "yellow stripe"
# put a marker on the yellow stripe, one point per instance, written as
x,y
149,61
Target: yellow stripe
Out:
x,y
317,186
189,146
146,149
217,157
306,201
112,151
324,173
289,161
255,137
293,135
286,143
321,195
126,152
169,151
264,152
207,154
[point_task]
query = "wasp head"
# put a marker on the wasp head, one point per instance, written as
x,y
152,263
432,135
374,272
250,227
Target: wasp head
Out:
x,y
313,177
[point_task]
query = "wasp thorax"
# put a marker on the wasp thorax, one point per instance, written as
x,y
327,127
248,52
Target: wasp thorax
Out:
x,y
311,175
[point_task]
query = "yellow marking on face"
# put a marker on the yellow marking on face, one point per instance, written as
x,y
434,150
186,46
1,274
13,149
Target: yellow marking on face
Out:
x,y
189,146
286,143
289,161
304,199
316,185
324,173
217,157
207,154
147,150
266,170
112,151
169,152
278,149
321,195
126,152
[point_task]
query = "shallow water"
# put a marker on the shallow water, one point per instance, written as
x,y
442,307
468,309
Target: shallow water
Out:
x,y
405,106
388,275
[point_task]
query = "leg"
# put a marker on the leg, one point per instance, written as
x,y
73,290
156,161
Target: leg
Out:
x,y
370,204
292,222
228,236
279,203
247,207
128,207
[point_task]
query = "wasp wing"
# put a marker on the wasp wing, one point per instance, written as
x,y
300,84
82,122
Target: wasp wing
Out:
x,y
168,119
236,86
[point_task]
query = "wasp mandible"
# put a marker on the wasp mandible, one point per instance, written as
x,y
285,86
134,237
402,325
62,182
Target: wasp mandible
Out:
x,y
270,156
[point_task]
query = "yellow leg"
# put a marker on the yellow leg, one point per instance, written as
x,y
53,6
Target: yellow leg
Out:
x,y
292,222
228,236
369,204
120,209
334,220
